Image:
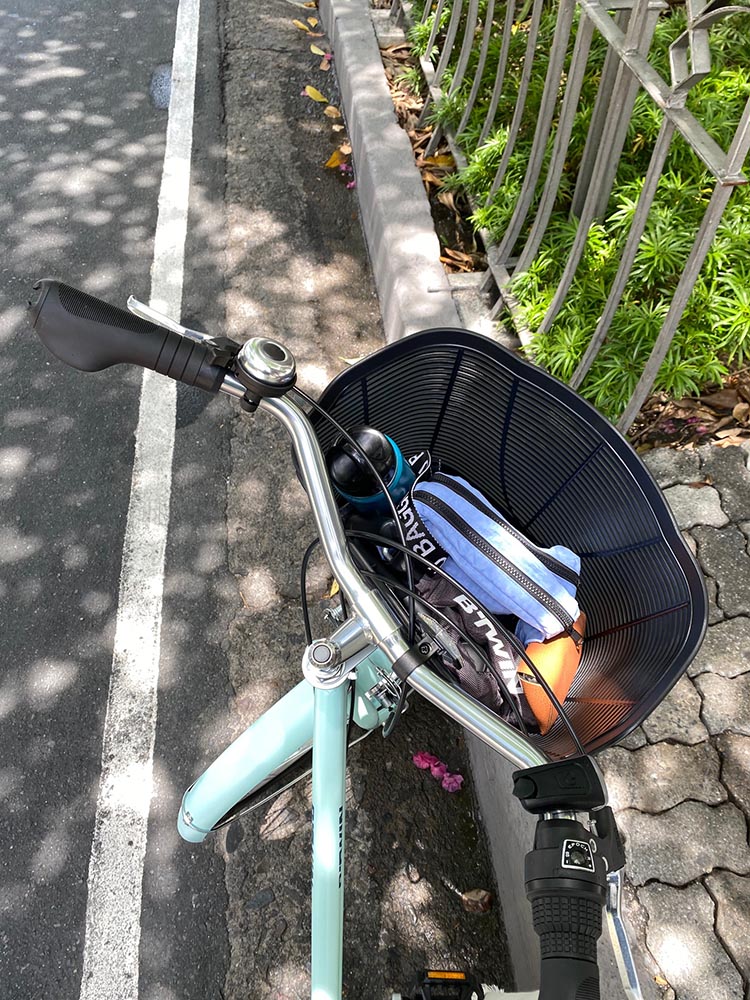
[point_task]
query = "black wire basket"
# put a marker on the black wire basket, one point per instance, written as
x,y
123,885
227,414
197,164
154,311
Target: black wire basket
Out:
x,y
563,475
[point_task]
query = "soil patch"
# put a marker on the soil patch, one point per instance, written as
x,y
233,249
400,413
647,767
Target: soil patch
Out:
x,y
721,417
461,249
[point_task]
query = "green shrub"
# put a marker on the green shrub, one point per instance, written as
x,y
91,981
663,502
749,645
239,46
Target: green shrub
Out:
x,y
715,328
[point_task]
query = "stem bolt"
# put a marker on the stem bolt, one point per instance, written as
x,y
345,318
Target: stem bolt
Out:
x,y
323,653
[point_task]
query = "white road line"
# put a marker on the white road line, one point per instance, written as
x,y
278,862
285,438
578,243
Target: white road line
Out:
x,y
113,910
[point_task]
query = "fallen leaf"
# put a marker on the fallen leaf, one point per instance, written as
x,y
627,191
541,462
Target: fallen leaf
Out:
x,y
429,178
301,25
350,361
700,483
741,411
724,422
311,3
313,22
331,112
476,900
335,159
332,590
324,65
447,198
345,148
661,981
316,95
732,440
456,266
725,399
459,255
395,57
338,128
316,50
440,161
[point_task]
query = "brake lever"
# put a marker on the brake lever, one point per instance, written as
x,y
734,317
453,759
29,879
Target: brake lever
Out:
x,y
619,937
152,315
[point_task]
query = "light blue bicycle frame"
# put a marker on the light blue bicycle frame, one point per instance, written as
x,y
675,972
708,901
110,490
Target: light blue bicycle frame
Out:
x,y
304,717
328,796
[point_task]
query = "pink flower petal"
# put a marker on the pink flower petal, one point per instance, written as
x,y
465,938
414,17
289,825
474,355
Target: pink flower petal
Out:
x,y
423,760
452,782
439,769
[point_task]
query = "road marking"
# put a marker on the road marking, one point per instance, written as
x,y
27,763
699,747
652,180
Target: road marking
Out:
x,y
115,883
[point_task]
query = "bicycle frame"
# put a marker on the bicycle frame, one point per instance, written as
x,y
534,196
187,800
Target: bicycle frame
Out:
x,y
329,812
308,717
304,717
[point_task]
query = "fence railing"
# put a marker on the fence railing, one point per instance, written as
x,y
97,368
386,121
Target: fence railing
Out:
x,y
627,26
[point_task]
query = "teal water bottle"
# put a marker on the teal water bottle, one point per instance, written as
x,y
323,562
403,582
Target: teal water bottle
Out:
x,y
352,476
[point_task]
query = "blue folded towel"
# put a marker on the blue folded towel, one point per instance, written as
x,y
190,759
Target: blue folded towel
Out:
x,y
495,562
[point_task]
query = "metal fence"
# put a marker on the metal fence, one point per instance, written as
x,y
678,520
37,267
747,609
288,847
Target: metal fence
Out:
x,y
627,26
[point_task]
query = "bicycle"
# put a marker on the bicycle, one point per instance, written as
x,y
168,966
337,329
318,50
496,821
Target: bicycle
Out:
x,y
381,646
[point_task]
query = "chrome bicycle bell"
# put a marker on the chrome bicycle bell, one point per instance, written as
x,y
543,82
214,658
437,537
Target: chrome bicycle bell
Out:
x,y
265,368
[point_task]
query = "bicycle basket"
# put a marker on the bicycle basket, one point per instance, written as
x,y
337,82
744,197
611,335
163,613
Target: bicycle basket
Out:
x,y
563,475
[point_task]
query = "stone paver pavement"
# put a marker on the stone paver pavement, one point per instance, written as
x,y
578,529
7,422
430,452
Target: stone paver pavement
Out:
x,y
681,783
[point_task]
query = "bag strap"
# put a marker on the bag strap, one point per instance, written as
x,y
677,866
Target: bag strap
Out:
x,y
545,558
417,537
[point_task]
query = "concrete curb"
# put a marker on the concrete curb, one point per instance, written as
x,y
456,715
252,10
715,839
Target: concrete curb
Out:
x,y
412,286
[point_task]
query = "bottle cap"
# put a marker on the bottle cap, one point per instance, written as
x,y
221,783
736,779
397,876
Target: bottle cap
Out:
x,y
349,469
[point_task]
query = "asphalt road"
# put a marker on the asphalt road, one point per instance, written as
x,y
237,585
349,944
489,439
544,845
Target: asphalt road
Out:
x,y
81,163
84,134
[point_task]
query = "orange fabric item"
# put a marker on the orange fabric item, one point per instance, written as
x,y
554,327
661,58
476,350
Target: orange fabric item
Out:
x,y
556,660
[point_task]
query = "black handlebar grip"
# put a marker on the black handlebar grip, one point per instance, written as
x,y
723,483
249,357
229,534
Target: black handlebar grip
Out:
x,y
569,925
90,335
566,884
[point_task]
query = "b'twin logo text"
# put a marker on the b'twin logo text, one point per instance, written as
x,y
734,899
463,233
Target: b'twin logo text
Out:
x,y
482,622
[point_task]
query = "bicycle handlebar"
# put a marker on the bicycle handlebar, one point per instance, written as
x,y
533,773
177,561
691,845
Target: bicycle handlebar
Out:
x,y
89,334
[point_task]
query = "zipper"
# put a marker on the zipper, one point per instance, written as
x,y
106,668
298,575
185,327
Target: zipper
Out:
x,y
538,593
552,564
